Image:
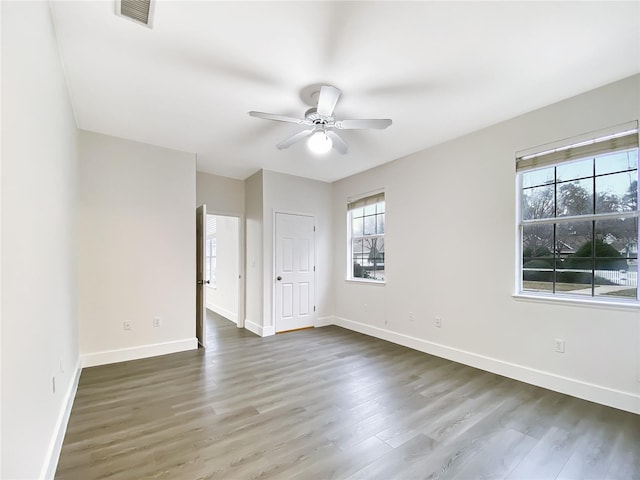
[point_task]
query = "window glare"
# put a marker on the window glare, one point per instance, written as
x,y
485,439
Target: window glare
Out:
x,y
534,178
617,162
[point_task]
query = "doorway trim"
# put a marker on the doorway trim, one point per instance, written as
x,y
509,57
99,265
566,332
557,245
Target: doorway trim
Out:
x,y
272,283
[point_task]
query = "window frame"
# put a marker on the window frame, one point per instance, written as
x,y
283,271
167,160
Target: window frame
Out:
x,y
592,218
381,198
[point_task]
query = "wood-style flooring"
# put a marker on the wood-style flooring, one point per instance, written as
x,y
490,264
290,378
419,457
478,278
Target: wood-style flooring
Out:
x,y
329,403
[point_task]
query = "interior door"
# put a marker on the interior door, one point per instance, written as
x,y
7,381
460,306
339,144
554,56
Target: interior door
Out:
x,y
295,272
201,299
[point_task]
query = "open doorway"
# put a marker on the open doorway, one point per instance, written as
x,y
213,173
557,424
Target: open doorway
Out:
x,y
223,272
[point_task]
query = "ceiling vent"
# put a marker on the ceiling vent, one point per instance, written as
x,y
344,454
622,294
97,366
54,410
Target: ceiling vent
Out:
x,y
140,11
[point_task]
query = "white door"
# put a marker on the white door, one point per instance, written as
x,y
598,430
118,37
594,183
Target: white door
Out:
x,y
295,272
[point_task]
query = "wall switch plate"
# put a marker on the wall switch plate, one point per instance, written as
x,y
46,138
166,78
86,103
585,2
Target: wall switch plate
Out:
x,y
559,345
438,322
411,317
156,321
126,325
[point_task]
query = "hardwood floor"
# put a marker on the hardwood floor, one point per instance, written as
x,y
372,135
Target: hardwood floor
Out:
x,y
329,403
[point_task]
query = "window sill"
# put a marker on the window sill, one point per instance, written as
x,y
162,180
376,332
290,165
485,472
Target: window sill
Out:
x,y
368,282
583,302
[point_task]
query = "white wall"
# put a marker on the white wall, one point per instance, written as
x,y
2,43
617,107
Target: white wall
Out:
x,y
221,195
39,189
254,290
291,194
223,298
450,252
137,249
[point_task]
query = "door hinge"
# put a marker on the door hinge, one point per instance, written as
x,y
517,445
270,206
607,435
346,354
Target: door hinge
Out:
x,y
314,228
314,308
314,268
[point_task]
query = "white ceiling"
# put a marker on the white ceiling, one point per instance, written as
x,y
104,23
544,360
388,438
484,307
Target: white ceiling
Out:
x,y
438,69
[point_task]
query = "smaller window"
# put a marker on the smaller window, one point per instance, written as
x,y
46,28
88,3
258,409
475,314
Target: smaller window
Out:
x,y
366,238
211,261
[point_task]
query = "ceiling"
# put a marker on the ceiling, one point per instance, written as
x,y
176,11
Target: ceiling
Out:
x,y
438,69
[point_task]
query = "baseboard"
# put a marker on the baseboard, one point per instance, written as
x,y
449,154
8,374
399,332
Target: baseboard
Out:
x,y
135,353
259,329
53,453
228,314
267,331
323,321
570,386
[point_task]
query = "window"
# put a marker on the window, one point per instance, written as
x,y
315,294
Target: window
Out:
x,y
211,249
211,261
579,219
366,238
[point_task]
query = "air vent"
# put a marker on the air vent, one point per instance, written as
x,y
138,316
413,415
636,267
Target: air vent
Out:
x,y
140,11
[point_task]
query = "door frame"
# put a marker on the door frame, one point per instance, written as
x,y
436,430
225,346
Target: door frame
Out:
x,y
241,259
273,263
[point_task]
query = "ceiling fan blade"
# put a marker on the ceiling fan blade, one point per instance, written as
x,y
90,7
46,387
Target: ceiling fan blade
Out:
x,y
338,143
280,118
294,138
379,124
327,101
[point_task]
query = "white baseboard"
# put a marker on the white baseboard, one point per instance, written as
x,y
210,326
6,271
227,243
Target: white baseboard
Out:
x,y
135,353
228,314
323,321
55,446
595,393
268,331
259,329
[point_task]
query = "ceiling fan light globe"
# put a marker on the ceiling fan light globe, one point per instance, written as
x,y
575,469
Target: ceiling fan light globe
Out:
x,y
319,143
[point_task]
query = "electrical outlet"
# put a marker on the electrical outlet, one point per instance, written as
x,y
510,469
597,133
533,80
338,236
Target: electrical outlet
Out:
x,y
411,317
559,345
156,321
126,325
438,322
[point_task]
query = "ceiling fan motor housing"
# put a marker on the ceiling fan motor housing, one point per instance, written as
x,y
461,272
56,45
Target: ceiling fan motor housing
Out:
x,y
317,119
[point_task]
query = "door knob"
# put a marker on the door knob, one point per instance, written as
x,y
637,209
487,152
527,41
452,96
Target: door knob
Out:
x,y
279,277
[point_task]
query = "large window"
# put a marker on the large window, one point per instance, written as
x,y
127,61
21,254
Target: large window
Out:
x,y
366,238
579,219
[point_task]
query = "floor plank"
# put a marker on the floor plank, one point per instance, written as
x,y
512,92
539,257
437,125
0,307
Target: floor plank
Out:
x,y
329,403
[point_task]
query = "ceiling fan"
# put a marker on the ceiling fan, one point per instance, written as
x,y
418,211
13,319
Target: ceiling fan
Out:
x,y
322,125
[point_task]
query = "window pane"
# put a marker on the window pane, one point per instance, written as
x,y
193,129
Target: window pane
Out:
x,y
356,247
370,225
537,202
575,198
574,262
535,178
356,227
537,243
380,207
617,192
370,209
575,170
617,162
537,258
616,244
357,212
380,224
